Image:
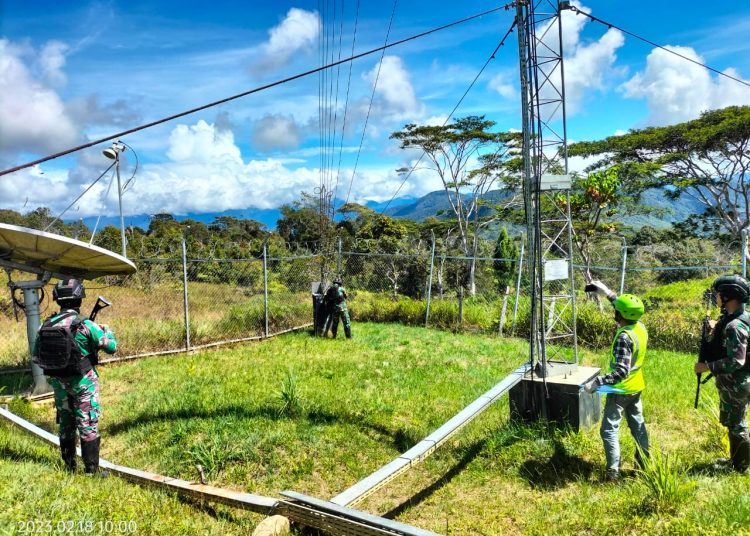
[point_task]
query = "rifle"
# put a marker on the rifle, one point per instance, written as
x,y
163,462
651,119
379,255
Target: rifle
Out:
x,y
101,303
706,348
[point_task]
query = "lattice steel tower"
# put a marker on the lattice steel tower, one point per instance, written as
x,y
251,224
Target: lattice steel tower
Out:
x,y
546,187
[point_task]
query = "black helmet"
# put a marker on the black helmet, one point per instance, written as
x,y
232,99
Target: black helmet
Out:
x,y
732,287
68,289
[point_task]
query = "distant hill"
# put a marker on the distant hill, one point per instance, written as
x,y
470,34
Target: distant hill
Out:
x,y
435,202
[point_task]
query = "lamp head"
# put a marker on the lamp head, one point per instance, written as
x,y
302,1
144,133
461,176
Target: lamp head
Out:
x,y
112,152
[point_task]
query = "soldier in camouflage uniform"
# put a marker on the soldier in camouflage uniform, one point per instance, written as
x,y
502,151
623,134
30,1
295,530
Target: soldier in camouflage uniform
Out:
x,y
77,392
732,369
336,296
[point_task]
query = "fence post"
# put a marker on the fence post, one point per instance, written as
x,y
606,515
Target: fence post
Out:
x,y
624,263
185,295
429,283
338,261
518,288
744,253
265,288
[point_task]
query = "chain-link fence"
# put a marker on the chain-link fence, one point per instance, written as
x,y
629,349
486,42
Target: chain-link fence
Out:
x,y
173,305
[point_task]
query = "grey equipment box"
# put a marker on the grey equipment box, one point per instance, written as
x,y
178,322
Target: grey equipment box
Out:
x,y
568,403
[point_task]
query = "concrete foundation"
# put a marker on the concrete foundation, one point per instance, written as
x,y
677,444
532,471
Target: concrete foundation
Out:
x,y
568,403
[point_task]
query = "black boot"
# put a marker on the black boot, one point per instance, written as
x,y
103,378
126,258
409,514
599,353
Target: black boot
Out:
x,y
739,452
348,331
68,452
90,455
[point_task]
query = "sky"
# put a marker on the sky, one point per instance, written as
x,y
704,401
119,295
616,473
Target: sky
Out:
x,y
73,72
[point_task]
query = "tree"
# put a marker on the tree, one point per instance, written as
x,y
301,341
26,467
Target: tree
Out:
x,y
506,256
301,223
707,159
469,159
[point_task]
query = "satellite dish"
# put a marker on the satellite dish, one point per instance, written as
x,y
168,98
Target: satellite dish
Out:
x,y
37,252
49,255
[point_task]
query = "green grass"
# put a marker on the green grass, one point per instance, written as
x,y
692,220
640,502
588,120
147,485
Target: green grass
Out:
x,y
355,405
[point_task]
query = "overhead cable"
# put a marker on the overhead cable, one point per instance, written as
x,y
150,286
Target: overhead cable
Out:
x,y
610,25
346,104
421,156
255,90
372,97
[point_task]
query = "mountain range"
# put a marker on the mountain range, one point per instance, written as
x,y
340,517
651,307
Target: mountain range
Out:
x,y
419,209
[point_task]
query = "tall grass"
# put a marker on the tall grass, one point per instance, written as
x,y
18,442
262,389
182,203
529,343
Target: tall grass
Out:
x,y
665,482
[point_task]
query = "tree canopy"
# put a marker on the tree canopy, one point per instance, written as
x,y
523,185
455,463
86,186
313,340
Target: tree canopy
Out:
x,y
707,159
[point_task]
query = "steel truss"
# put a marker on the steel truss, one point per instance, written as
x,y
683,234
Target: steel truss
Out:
x,y
546,186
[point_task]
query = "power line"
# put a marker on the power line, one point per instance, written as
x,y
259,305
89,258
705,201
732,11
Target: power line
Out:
x,y
610,25
254,90
346,105
372,97
421,156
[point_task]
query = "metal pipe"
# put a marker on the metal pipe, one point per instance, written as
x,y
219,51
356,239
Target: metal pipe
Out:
x,y
338,261
123,240
518,287
429,283
31,306
265,289
624,264
185,295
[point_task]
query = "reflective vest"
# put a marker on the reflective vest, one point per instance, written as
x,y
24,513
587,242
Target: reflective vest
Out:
x,y
633,383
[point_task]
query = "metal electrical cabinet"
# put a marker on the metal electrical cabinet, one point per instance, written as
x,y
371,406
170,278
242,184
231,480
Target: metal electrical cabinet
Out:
x,y
568,403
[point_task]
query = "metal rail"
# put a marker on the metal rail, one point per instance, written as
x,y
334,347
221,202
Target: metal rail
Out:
x,y
428,445
302,509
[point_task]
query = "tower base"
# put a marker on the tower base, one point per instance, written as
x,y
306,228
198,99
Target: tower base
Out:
x,y
568,404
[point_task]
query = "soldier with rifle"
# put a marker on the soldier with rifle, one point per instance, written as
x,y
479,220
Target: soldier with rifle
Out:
x,y
66,348
335,301
724,356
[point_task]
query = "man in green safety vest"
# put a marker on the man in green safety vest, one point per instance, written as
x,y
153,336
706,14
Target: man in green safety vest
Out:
x,y
623,382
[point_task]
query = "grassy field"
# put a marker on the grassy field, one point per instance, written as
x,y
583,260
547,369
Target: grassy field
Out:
x,y
316,416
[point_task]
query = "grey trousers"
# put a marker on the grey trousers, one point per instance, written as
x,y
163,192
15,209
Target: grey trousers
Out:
x,y
615,406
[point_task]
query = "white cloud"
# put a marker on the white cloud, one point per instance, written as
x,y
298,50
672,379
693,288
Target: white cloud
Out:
x,y
588,65
678,90
32,115
297,32
203,143
206,173
51,62
276,132
395,98
504,88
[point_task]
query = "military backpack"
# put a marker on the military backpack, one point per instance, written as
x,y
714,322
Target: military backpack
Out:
x,y
58,353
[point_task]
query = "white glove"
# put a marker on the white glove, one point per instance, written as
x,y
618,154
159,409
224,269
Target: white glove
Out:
x,y
591,386
601,289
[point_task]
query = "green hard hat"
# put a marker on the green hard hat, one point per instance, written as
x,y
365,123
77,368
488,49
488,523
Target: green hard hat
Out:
x,y
629,306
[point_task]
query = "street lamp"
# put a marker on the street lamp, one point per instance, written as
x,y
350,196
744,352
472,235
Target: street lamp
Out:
x,y
113,153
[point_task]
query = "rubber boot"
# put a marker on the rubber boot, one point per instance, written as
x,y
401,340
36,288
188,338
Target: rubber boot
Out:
x,y
90,455
348,332
739,452
68,452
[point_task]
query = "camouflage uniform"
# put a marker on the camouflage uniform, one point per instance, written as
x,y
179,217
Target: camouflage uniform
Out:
x,y
733,383
339,310
77,396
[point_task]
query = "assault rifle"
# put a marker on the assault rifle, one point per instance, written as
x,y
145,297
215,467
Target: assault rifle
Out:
x,y
706,349
101,303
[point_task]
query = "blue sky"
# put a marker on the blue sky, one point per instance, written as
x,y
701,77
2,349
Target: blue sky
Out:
x,y
76,71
